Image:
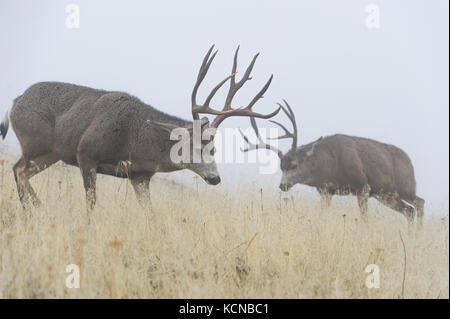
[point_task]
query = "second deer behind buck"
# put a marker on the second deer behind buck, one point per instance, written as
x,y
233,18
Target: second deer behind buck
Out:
x,y
342,165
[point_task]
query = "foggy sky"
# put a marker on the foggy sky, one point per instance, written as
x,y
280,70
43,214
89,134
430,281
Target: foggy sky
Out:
x,y
389,84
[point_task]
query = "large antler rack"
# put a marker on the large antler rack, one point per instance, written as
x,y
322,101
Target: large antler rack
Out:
x,y
261,144
227,110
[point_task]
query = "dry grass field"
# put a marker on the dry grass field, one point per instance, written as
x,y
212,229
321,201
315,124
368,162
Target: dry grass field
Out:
x,y
209,242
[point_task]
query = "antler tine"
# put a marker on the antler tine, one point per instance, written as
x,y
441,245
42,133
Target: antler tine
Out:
x,y
260,95
261,144
287,134
234,87
294,124
227,110
247,111
216,88
206,63
251,146
255,128
196,109
290,114
232,90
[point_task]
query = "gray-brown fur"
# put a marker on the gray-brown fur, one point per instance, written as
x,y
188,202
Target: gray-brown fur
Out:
x,y
97,130
342,165
114,133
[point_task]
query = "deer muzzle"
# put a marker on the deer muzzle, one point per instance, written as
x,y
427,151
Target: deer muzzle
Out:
x,y
212,180
285,187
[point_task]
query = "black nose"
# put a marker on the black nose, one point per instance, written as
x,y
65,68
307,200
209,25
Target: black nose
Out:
x,y
284,187
214,180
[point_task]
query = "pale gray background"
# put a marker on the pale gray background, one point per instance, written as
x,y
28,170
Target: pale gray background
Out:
x,y
389,84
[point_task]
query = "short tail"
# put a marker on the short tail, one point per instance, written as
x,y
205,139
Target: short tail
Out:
x,y
5,123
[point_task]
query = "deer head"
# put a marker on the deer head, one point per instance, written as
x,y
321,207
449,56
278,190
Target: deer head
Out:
x,y
295,164
206,167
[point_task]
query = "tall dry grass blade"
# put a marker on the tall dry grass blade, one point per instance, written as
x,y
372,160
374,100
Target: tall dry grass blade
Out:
x,y
404,264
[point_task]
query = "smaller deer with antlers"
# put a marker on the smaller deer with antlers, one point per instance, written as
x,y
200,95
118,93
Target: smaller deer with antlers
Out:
x,y
342,165
113,133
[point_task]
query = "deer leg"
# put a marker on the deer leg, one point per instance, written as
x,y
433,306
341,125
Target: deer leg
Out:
x,y
394,202
142,190
419,203
363,204
24,170
89,173
19,178
405,209
363,200
325,197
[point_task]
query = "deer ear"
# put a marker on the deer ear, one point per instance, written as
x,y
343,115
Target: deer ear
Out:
x,y
311,151
204,124
164,126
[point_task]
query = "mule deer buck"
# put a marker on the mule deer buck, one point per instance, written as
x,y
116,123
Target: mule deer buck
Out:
x,y
98,130
342,165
